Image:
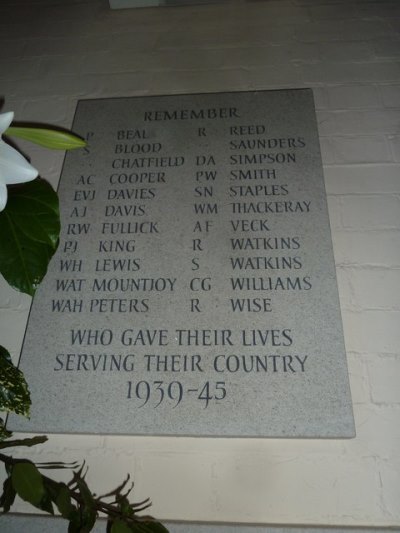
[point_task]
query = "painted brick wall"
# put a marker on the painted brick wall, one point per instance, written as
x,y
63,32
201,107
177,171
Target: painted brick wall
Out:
x,y
54,52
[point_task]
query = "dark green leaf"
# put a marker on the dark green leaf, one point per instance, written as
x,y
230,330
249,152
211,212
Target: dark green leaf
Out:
x,y
49,138
5,354
120,527
125,507
8,496
29,229
155,527
148,527
45,504
35,206
74,525
60,495
28,482
63,501
14,393
4,434
40,439
88,508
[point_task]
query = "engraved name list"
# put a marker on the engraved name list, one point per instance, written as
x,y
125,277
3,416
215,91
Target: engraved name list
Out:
x,y
194,289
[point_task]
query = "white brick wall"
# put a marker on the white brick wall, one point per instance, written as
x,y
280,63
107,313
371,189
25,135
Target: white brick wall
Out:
x,y
55,51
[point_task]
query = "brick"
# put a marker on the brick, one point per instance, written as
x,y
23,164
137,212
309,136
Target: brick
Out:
x,y
328,153
367,122
335,212
210,36
333,12
320,98
58,110
369,248
346,295
167,60
141,40
11,49
386,49
342,30
384,372
378,434
283,11
86,85
326,123
359,378
371,212
372,331
394,141
377,288
353,96
12,104
389,475
390,95
303,52
12,299
60,66
192,81
273,76
345,51
335,72
249,478
372,149
199,466
384,9
359,179
47,47
20,70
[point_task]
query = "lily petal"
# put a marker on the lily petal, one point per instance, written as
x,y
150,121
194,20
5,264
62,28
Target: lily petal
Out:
x,y
14,168
5,121
3,196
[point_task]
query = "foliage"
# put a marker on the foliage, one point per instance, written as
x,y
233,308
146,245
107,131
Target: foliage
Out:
x,y
14,393
29,229
74,500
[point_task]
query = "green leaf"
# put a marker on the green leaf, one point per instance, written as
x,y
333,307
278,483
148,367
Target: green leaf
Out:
x,y
155,527
34,206
4,434
74,524
8,496
46,505
49,138
88,507
148,527
29,229
40,439
120,527
28,482
14,393
63,501
5,354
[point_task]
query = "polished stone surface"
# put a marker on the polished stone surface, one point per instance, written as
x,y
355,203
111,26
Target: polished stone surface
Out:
x,y
194,290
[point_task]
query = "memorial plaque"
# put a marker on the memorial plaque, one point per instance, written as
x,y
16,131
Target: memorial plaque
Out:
x,y
194,289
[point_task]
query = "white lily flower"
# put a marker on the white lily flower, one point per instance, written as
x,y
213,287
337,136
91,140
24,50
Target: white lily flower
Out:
x,y
14,168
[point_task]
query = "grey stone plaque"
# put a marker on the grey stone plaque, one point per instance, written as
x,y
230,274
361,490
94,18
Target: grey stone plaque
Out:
x,y
194,289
